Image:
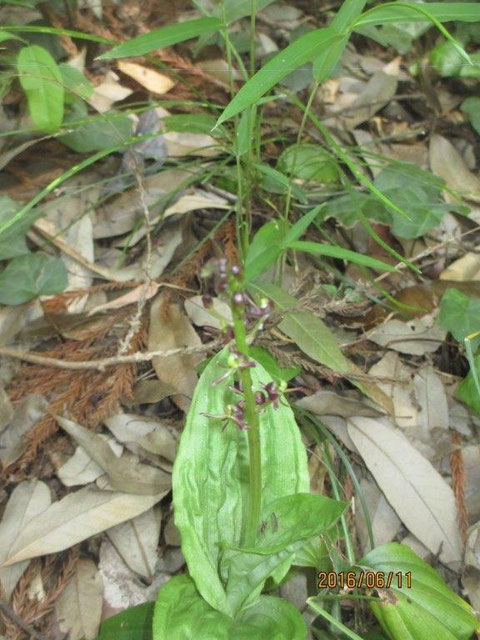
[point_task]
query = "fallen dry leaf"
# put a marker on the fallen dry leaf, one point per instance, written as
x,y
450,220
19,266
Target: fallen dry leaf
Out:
x,y
137,540
466,268
28,499
333,404
170,329
416,337
77,517
422,499
218,316
26,414
385,522
447,163
152,80
79,606
126,473
108,92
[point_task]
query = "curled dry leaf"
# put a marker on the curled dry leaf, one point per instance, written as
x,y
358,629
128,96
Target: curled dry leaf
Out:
x,y
152,80
415,337
77,517
28,499
137,540
170,329
422,499
466,268
108,92
79,469
79,606
143,291
125,473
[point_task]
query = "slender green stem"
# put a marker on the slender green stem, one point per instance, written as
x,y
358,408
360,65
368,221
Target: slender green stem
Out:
x,y
341,627
254,445
253,15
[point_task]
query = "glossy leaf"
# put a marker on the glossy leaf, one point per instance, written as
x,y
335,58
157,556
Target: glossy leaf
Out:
x,y
134,623
32,275
290,519
181,613
210,475
299,52
426,609
164,37
41,80
271,618
286,524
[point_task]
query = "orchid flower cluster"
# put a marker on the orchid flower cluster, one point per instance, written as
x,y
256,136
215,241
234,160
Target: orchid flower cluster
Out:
x,y
229,285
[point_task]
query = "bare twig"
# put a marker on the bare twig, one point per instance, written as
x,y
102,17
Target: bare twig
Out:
x,y
102,363
19,622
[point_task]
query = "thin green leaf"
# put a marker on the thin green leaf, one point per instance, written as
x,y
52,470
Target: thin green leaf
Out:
x,y
232,10
55,31
164,37
342,254
41,80
301,51
311,335
405,12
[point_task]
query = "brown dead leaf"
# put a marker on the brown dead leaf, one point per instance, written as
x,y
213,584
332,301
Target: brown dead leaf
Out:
x,y
152,80
79,606
447,163
170,329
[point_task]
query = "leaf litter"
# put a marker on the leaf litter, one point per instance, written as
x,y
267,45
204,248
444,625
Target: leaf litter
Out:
x,y
90,502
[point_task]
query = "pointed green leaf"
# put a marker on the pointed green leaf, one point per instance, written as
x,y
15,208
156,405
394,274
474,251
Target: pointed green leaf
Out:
x,y
398,12
164,37
41,80
301,51
341,254
32,275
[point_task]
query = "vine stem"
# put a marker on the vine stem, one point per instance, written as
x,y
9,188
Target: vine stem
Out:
x,y
253,434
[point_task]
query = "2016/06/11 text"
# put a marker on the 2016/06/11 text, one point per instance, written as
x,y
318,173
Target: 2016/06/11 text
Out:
x,y
368,579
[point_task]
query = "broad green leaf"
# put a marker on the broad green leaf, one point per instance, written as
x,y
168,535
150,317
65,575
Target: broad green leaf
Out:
x,y
164,37
265,248
471,106
210,475
75,82
426,609
95,135
442,11
272,367
308,162
325,63
134,623
272,618
277,182
290,519
12,244
341,254
460,315
467,390
30,276
299,52
312,336
190,122
41,80
182,613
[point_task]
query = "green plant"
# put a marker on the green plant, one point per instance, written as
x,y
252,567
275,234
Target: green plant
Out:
x,y
241,484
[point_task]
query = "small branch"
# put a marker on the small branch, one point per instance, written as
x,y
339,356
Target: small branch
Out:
x,y
21,624
102,363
